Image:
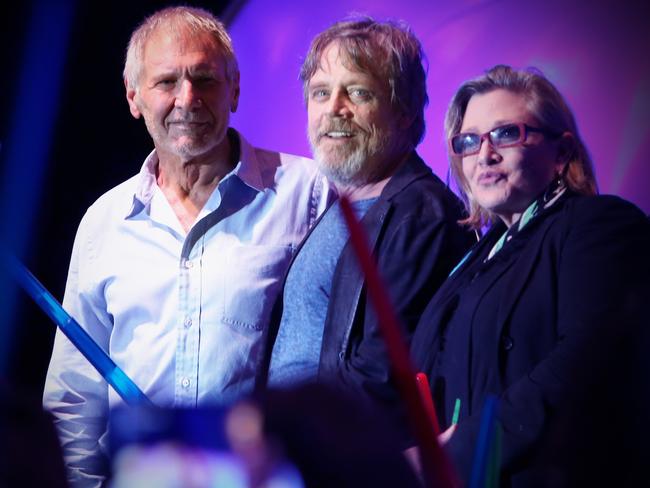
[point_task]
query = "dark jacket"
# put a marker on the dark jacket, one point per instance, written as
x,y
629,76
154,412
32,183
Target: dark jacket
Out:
x,y
567,297
412,229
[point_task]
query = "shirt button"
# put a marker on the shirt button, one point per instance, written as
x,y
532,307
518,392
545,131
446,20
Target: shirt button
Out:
x,y
187,322
185,382
506,342
341,356
189,264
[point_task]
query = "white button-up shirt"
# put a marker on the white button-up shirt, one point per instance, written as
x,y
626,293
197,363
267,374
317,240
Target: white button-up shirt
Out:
x,y
182,314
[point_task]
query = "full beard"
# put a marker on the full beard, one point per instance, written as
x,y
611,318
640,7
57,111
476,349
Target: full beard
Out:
x,y
353,162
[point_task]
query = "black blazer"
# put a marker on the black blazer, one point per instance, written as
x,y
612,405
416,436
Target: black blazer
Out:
x,y
573,285
412,229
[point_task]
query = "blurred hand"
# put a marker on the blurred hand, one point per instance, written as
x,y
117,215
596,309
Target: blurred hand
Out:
x,y
412,454
446,435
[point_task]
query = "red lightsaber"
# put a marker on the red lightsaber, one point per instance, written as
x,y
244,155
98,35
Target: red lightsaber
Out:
x,y
437,470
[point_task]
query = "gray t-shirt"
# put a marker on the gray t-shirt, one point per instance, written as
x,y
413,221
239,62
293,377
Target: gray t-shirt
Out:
x,y
297,347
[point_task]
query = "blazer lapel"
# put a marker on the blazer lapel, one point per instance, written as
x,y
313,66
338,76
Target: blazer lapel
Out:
x,y
347,297
531,239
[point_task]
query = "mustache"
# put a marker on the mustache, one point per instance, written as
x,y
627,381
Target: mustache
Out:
x,y
337,125
186,118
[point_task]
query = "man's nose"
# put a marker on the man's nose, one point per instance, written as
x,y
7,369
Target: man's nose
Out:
x,y
188,96
339,105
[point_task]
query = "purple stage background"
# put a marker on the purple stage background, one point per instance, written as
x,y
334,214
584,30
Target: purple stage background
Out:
x,y
593,52
596,53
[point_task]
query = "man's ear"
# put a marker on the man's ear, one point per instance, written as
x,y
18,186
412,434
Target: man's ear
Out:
x,y
131,94
405,121
235,93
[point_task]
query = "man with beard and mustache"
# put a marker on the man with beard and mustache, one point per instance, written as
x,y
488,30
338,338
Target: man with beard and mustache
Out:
x,y
175,271
365,90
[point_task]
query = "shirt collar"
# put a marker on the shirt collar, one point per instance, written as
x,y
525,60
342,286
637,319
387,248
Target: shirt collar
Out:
x,y
248,167
247,170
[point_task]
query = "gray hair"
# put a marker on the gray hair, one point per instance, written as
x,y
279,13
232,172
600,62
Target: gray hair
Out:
x,y
177,19
386,50
550,110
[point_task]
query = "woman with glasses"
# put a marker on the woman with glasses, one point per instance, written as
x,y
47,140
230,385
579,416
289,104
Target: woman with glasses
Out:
x,y
539,311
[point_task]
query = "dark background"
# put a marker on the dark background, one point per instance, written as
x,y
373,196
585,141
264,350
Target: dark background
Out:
x,y
96,144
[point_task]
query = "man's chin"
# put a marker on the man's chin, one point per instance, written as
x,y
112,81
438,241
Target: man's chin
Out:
x,y
191,149
342,172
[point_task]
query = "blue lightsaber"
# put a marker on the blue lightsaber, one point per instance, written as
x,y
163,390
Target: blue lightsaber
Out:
x,y
112,373
487,456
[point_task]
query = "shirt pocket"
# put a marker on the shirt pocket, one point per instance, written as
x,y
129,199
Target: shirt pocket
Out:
x,y
251,291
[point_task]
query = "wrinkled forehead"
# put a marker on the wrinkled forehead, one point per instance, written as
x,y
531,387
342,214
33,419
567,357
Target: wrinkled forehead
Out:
x,y
180,40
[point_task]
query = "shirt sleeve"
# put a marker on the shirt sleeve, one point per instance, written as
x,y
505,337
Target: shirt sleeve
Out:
x,y
75,393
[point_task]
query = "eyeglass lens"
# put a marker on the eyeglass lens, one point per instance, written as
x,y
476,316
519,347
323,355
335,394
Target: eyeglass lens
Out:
x,y
499,136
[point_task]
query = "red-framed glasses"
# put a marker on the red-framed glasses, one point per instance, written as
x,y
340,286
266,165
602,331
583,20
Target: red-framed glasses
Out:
x,y
508,135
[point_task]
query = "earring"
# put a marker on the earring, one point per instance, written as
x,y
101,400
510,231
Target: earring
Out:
x,y
556,185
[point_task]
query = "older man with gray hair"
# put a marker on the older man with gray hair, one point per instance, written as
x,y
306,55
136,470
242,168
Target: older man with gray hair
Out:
x,y
174,272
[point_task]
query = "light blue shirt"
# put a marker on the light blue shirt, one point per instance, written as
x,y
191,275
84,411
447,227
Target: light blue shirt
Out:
x,y
182,314
296,351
